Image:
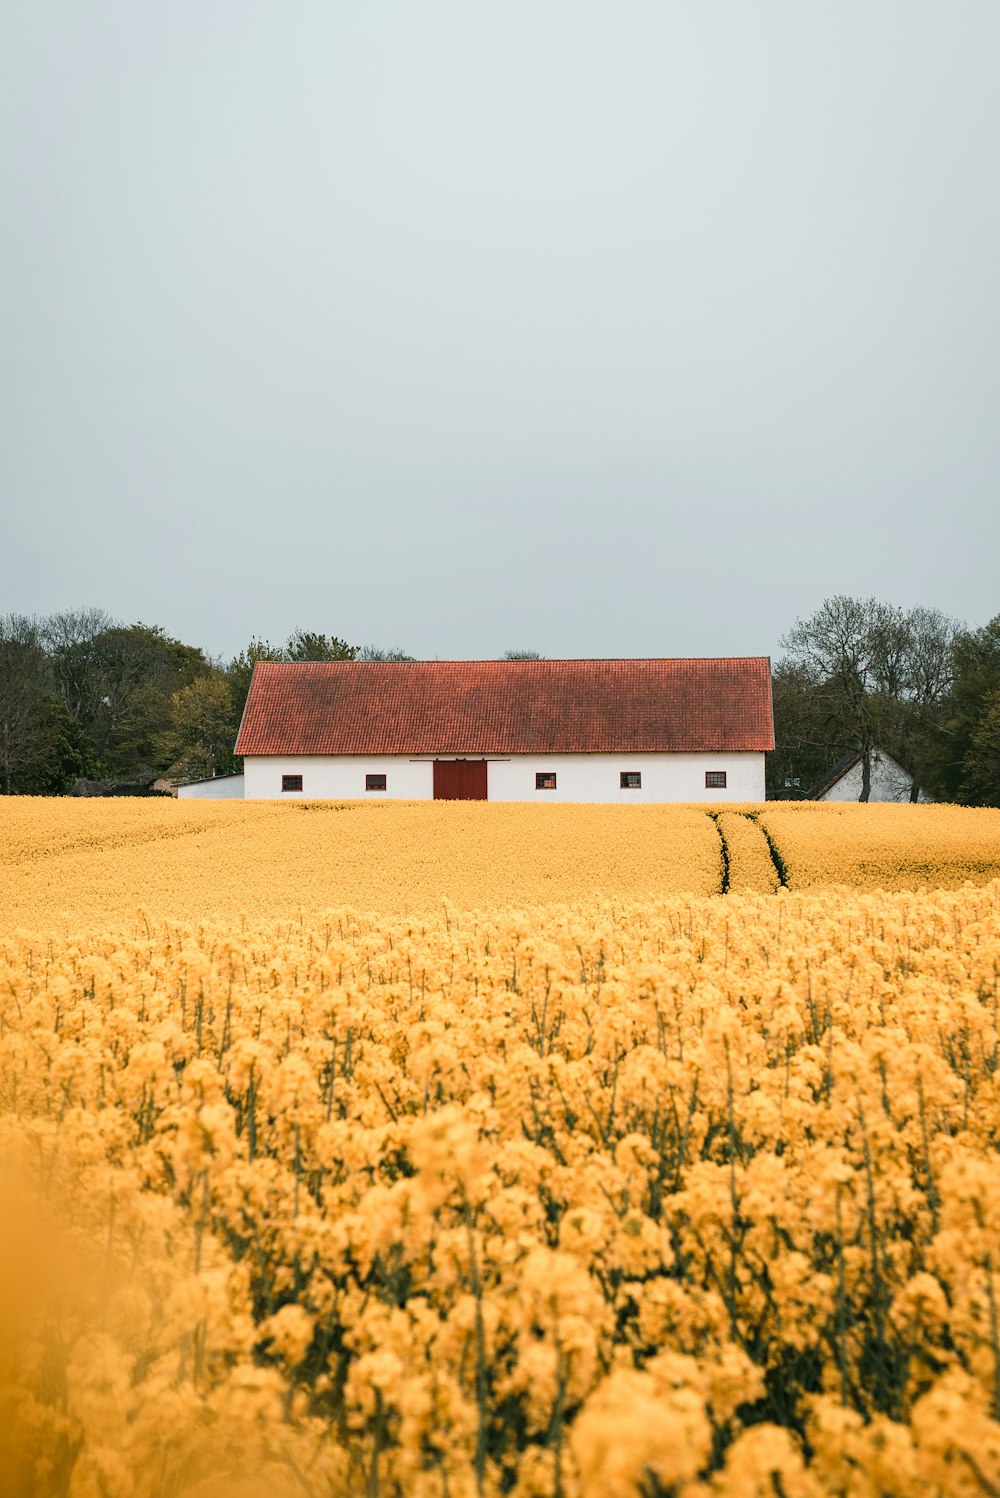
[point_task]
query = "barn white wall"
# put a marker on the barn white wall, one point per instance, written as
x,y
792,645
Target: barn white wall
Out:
x,y
890,782
579,777
338,777
595,777
222,788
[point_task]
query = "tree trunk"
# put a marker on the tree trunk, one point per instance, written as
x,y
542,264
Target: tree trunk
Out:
x,y
866,773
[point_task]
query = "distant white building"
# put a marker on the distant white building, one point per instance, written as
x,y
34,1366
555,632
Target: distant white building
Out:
x,y
594,730
213,788
890,781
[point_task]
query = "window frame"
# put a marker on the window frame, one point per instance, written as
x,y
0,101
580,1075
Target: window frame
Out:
x,y
630,780
287,788
545,775
376,775
715,780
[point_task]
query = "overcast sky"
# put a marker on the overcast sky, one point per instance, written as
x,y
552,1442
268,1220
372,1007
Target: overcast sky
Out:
x,y
603,327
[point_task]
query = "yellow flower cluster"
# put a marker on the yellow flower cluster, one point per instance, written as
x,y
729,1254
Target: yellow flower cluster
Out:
x,y
696,1197
90,864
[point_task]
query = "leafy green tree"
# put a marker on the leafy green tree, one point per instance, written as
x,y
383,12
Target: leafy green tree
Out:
x,y
379,653
239,672
40,753
130,675
981,765
304,645
115,682
199,740
24,687
65,758
975,682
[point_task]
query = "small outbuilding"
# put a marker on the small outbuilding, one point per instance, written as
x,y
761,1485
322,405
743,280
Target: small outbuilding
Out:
x,y
890,781
212,788
558,730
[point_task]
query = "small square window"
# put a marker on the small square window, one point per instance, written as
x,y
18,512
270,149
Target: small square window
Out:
x,y
545,780
715,780
374,782
291,782
631,780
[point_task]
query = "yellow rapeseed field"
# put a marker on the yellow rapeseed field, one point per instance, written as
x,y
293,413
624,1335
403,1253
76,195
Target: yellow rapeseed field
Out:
x,y
883,846
493,1150
82,864
88,863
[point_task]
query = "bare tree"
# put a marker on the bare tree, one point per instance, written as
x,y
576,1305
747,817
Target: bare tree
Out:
x,y
931,655
71,627
873,673
69,638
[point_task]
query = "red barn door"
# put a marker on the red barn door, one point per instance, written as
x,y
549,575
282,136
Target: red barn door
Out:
x,y
460,780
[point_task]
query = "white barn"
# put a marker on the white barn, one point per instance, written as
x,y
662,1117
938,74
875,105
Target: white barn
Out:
x,y
593,730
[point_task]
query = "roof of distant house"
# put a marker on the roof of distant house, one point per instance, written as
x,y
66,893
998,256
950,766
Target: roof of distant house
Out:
x,y
508,707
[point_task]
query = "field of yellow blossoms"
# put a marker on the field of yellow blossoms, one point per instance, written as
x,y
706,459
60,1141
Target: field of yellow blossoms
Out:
x,y
473,1150
92,864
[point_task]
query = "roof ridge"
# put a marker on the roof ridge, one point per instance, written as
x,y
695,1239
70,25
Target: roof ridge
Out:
x,y
551,660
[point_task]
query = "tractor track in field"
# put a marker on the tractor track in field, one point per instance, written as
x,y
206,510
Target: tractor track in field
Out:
x,y
780,867
733,859
724,845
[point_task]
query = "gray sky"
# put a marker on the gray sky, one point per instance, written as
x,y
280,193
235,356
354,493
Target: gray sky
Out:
x,y
607,327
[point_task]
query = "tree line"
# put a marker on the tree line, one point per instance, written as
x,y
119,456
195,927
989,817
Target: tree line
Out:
x,y
860,674
94,706
91,705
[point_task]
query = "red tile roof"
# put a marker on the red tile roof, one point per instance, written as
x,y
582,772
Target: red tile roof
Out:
x,y
508,707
